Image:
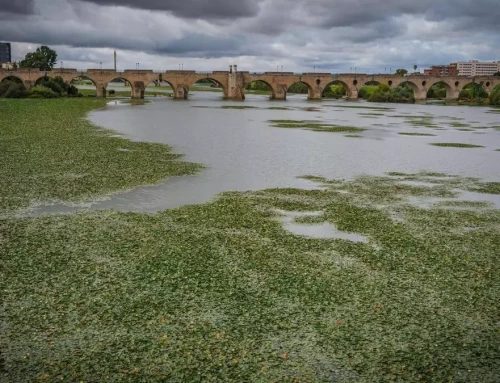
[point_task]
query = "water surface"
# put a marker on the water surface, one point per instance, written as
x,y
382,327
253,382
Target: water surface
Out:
x,y
242,151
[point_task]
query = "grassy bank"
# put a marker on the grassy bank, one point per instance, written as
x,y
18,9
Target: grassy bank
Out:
x,y
222,292
49,151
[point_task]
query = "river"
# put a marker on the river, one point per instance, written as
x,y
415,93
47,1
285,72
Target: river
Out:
x,y
242,151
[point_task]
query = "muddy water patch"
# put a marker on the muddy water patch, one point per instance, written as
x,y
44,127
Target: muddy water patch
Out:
x,y
314,225
464,200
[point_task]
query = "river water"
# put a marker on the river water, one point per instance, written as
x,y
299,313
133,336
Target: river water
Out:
x,y
243,152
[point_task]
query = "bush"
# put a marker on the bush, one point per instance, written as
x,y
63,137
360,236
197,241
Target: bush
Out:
x,y
40,91
384,93
111,92
12,89
72,91
58,85
366,91
437,91
334,91
298,87
257,85
495,96
473,92
47,82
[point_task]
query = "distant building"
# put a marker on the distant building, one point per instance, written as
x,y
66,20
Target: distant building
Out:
x,y
5,53
7,66
477,68
442,70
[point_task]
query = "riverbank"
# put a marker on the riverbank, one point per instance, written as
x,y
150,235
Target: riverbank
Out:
x,y
227,290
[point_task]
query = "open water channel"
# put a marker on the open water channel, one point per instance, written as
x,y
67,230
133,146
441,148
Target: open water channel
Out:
x,y
242,151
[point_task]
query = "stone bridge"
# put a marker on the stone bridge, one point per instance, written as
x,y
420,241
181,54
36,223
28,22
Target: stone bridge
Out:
x,y
233,82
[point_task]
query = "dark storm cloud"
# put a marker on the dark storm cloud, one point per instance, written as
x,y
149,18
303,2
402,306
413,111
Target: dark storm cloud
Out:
x,y
206,9
281,15
193,45
322,33
340,13
16,6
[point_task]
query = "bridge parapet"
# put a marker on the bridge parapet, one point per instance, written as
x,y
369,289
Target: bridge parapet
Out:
x,y
139,71
64,71
324,74
279,73
180,72
103,71
29,70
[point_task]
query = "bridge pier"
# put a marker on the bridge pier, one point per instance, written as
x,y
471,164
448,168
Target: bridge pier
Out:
x,y
235,93
315,93
181,92
138,90
353,94
279,93
28,83
101,90
420,95
235,85
455,94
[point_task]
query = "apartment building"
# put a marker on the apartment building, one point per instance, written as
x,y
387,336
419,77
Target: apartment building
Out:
x,y
442,70
477,68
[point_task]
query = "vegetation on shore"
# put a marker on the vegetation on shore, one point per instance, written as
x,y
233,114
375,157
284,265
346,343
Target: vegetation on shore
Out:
x,y
49,151
45,88
222,292
384,93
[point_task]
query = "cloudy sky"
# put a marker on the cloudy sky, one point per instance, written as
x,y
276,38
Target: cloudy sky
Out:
x,y
258,35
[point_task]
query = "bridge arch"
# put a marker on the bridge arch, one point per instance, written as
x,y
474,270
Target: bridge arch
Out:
x,y
270,87
433,90
82,77
336,82
163,87
125,87
473,90
414,86
367,88
371,83
297,87
12,78
213,81
85,89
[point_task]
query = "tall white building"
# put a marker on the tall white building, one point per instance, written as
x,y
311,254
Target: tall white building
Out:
x,y
476,68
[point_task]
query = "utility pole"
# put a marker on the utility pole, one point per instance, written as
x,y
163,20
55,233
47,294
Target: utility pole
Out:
x,y
114,57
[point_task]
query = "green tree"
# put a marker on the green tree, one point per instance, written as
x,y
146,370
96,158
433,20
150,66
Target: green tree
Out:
x,y
415,67
495,96
43,58
401,72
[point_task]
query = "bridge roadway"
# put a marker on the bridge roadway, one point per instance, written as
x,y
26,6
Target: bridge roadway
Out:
x,y
233,82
